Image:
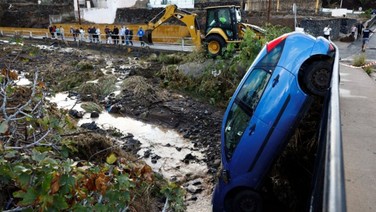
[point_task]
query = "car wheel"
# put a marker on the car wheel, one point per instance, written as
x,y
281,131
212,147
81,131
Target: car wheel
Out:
x,y
317,77
215,44
246,201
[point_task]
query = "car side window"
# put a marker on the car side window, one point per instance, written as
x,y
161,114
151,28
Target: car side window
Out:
x,y
272,58
242,110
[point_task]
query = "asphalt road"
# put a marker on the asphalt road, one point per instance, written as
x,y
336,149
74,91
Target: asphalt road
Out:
x,y
358,119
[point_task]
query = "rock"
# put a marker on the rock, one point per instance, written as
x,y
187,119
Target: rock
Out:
x,y
115,109
147,153
195,69
186,135
193,198
90,126
194,189
155,158
188,158
217,162
94,114
132,145
76,114
197,182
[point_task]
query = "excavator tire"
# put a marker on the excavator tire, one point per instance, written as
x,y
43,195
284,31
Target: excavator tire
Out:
x,y
147,37
215,45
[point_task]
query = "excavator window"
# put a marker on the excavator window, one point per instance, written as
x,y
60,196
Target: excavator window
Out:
x,y
220,18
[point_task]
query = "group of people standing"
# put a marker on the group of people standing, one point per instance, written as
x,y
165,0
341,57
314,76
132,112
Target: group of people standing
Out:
x,y
357,30
123,36
56,32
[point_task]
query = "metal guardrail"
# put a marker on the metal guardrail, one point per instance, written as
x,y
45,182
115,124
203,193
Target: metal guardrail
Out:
x,y
334,177
183,41
161,42
328,192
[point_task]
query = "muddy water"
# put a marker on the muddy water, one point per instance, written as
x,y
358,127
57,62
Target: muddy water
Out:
x,y
168,144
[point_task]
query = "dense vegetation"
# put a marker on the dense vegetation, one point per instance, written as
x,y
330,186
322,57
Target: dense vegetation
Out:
x,y
221,76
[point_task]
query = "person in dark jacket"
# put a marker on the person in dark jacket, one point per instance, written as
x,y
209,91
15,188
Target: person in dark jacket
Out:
x,y
115,36
366,34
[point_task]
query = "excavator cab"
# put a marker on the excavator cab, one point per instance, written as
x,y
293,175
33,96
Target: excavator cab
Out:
x,y
225,18
222,27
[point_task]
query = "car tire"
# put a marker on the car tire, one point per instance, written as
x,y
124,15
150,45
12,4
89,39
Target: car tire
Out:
x,y
215,45
246,201
317,77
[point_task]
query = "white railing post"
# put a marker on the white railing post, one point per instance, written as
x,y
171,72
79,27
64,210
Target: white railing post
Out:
x,y
31,34
182,44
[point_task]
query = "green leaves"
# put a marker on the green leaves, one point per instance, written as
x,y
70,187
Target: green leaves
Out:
x,y
111,159
27,198
3,126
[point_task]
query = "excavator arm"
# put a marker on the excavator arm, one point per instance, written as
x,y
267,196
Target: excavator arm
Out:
x,y
171,11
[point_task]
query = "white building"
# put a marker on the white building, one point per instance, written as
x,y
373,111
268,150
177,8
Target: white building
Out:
x,y
179,3
105,3
104,11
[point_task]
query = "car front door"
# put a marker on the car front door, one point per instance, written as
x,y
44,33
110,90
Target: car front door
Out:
x,y
252,118
239,129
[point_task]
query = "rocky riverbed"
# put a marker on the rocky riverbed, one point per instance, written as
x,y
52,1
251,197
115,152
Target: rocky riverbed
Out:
x,y
140,99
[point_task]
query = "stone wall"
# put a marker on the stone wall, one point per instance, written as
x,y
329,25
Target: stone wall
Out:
x,y
280,5
338,25
30,15
20,2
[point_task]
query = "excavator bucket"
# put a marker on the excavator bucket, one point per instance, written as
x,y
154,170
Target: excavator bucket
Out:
x,y
147,37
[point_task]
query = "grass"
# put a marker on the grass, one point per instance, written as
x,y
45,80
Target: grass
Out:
x,y
359,60
91,107
368,70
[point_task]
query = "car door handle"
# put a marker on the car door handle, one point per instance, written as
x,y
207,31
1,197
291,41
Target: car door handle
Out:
x,y
252,129
275,80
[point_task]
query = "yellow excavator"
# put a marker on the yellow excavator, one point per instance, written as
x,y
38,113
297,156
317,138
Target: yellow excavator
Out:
x,y
223,26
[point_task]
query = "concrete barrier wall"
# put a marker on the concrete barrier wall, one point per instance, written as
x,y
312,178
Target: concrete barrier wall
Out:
x,y
338,25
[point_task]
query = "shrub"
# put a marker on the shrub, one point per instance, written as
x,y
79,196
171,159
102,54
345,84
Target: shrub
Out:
x,y
170,58
359,60
219,80
368,70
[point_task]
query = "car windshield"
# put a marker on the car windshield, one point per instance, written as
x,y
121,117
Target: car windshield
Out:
x,y
242,109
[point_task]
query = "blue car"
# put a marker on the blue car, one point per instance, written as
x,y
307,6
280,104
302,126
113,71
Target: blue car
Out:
x,y
265,109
